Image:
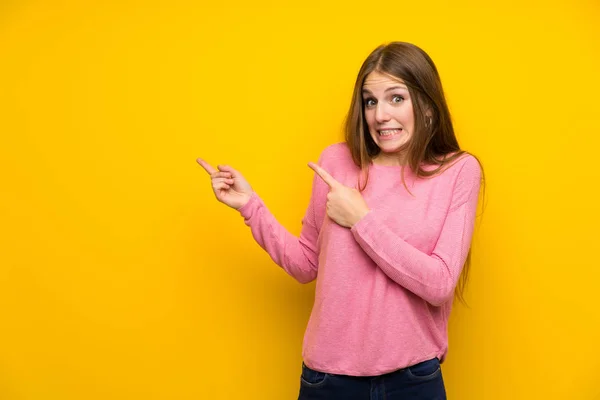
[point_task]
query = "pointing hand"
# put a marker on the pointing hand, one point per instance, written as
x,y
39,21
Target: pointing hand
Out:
x,y
229,186
345,205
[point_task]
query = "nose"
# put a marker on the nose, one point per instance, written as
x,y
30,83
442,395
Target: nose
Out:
x,y
381,114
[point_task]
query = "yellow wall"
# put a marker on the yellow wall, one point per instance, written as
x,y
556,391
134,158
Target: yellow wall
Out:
x,y
122,278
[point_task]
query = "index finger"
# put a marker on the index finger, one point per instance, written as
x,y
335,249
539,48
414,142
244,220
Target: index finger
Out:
x,y
328,179
207,167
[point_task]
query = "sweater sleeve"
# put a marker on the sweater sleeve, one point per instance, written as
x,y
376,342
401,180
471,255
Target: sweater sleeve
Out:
x,y
298,256
434,276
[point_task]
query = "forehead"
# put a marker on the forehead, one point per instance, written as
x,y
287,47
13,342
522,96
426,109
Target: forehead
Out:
x,y
376,80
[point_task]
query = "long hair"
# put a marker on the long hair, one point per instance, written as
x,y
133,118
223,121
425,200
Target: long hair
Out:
x,y
433,141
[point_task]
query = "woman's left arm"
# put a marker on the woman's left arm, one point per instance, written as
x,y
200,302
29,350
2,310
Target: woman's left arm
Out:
x,y
431,277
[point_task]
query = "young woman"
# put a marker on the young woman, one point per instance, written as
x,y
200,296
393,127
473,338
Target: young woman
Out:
x,y
387,235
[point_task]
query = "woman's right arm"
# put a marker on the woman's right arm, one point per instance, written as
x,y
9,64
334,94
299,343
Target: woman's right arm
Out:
x,y
298,256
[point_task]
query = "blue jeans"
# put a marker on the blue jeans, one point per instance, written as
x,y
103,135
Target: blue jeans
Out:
x,y
421,381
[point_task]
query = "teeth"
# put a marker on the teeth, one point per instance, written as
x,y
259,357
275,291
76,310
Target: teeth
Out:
x,y
389,132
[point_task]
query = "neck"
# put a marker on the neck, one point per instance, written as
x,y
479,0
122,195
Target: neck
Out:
x,y
391,160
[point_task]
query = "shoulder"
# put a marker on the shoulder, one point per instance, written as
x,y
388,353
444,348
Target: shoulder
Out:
x,y
336,151
466,178
461,176
336,156
465,166
469,165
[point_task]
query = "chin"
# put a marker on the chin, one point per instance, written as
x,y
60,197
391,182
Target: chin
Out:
x,y
396,148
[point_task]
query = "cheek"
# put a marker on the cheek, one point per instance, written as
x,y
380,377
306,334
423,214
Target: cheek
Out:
x,y
406,116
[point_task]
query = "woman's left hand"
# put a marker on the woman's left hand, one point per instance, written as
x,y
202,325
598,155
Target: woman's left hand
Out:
x,y
345,205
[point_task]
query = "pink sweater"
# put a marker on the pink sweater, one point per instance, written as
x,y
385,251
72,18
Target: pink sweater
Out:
x,y
384,287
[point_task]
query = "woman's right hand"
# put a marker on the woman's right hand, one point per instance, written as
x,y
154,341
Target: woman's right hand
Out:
x,y
229,185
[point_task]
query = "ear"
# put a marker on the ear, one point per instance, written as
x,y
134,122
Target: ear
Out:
x,y
428,117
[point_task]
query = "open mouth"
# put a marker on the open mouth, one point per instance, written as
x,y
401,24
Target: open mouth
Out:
x,y
389,132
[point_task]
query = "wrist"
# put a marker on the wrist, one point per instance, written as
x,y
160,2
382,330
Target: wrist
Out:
x,y
244,202
360,216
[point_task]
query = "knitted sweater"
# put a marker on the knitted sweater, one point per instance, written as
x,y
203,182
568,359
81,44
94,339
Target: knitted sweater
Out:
x,y
384,287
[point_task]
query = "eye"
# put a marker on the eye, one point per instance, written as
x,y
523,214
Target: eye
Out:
x,y
397,99
369,102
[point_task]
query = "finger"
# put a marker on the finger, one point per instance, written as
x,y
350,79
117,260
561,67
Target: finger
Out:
x,y
229,181
220,175
227,168
328,179
207,167
220,186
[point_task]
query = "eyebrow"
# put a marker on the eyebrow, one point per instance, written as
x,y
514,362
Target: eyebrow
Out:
x,y
388,89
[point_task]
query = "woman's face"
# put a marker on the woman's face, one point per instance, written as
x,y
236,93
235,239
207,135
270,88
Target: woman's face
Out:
x,y
389,113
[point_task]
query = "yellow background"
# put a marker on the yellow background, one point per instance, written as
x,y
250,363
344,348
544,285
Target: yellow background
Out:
x,y
121,277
